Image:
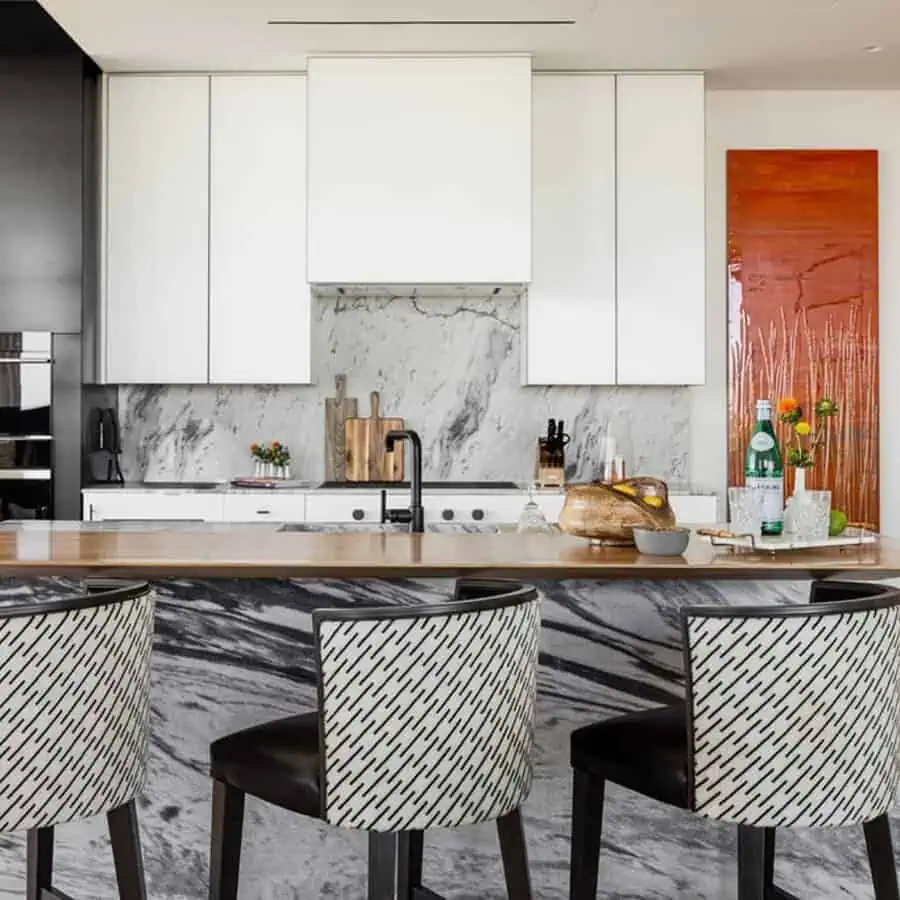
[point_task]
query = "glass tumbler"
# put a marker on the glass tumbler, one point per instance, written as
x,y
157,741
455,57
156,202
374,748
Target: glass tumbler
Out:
x,y
745,507
811,512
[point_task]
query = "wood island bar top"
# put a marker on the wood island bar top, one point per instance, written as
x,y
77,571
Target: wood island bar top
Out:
x,y
254,552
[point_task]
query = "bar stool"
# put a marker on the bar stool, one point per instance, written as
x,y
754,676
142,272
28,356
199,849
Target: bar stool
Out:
x,y
792,720
425,720
74,723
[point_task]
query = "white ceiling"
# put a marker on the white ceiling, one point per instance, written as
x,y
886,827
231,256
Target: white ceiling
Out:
x,y
740,43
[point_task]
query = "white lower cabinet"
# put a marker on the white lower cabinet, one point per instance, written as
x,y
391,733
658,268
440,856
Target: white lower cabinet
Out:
x,y
362,507
444,507
351,507
197,506
265,506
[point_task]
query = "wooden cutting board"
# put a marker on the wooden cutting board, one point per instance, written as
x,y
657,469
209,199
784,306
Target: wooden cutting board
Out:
x,y
337,410
367,456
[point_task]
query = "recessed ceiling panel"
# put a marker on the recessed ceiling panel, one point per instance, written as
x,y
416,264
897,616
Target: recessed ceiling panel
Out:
x,y
780,43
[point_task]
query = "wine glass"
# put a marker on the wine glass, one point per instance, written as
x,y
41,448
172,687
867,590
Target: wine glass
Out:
x,y
532,519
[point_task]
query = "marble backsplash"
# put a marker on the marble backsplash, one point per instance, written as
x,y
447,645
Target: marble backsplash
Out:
x,y
451,368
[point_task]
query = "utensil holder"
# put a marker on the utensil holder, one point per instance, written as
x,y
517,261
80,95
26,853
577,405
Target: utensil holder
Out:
x,y
550,465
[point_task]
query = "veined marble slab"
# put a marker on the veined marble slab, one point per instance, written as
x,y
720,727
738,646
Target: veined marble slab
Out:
x,y
451,368
231,653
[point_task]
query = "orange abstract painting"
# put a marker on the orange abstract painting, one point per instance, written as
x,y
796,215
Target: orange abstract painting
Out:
x,y
803,306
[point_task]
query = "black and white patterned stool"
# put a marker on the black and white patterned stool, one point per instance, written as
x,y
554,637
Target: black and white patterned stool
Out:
x,y
425,720
792,719
74,722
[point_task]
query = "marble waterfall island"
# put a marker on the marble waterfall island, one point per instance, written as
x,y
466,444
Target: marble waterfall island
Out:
x,y
234,647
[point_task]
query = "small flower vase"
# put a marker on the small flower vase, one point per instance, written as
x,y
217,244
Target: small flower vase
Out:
x,y
257,467
790,523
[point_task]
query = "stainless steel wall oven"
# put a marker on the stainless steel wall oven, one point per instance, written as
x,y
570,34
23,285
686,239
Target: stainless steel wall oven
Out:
x,y
26,425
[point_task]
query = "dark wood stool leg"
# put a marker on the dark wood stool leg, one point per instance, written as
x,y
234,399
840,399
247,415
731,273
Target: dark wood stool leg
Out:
x,y
751,863
225,846
416,853
388,865
881,858
769,859
515,856
126,846
587,829
39,874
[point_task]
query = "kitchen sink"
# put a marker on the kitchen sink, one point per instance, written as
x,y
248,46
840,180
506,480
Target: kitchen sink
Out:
x,y
426,485
373,528
183,485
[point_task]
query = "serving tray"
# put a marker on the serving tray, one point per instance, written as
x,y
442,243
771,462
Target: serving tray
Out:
x,y
852,537
269,484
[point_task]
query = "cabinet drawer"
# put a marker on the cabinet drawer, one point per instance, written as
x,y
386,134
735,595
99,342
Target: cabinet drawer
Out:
x,y
146,506
265,506
345,508
473,509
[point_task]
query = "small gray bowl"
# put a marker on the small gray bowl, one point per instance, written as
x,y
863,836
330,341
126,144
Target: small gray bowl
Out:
x,y
670,542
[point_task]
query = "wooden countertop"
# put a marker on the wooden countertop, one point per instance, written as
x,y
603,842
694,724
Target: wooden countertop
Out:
x,y
251,552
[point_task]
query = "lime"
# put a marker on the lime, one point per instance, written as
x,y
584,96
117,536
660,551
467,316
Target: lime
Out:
x,y
837,523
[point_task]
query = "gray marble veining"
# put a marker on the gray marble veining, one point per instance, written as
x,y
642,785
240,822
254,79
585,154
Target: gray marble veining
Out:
x,y
451,368
231,653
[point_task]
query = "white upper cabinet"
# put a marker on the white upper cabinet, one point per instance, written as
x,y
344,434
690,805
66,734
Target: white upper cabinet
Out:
x,y
259,301
419,170
154,307
661,229
570,319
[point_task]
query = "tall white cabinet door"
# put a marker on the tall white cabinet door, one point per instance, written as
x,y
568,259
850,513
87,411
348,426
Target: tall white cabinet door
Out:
x,y
570,312
259,303
661,229
419,170
156,211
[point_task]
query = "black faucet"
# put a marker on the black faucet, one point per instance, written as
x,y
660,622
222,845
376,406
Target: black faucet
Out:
x,y
415,515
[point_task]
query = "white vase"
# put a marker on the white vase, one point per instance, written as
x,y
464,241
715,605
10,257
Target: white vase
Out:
x,y
258,468
799,488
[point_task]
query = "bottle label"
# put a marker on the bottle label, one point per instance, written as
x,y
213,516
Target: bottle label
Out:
x,y
772,490
762,441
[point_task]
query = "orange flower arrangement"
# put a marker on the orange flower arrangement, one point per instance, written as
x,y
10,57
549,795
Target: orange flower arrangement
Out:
x,y
803,443
786,406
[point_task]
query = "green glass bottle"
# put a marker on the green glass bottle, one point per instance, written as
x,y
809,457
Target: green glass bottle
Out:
x,y
764,470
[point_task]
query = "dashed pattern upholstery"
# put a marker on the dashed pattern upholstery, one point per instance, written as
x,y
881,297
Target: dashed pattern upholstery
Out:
x,y
74,711
795,720
428,720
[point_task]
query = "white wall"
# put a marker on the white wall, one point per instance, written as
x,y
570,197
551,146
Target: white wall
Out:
x,y
865,120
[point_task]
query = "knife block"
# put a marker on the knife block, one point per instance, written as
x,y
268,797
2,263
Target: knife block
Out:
x,y
550,464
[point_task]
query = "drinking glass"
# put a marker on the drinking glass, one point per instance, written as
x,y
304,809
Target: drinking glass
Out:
x,y
532,519
811,512
745,507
